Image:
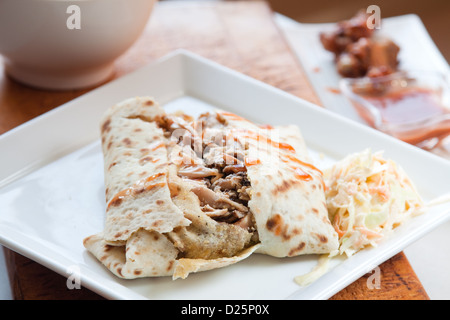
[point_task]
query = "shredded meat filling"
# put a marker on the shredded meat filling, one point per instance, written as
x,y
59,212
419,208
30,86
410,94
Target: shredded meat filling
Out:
x,y
213,166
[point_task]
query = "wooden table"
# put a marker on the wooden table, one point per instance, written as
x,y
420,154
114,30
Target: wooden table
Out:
x,y
240,35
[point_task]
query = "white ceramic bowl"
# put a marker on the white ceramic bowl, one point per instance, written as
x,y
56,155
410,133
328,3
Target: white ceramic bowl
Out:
x,y
42,45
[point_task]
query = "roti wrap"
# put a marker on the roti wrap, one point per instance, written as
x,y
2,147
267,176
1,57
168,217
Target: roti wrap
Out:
x,y
185,195
288,200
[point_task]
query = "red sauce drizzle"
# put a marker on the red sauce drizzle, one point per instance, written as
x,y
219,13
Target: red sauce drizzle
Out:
x,y
157,145
138,187
251,161
153,177
300,174
288,157
258,137
233,116
298,171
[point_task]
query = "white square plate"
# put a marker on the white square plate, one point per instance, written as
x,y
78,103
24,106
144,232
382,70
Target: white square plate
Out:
x,y
52,191
417,52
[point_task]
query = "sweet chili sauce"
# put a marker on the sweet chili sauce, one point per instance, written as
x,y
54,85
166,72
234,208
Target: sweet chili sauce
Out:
x,y
407,105
409,108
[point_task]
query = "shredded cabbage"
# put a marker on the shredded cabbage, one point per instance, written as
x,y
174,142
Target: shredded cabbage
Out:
x,y
368,197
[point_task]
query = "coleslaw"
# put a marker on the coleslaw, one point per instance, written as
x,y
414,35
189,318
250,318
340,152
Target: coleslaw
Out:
x,y
368,196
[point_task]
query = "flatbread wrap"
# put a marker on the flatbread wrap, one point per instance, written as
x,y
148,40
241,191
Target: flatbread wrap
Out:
x,y
187,195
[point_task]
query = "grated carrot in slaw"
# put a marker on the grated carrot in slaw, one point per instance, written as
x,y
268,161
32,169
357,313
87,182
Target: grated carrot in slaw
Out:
x,y
368,196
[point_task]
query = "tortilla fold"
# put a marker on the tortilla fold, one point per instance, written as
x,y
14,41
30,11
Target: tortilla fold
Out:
x,y
188,195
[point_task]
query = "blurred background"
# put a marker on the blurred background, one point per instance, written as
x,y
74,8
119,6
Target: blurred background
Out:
x,y
435,14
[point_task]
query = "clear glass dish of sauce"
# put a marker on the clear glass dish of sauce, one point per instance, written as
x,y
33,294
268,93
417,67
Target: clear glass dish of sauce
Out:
x,y
413,106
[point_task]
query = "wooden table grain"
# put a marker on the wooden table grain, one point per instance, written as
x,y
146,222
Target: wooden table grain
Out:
x,y
238,34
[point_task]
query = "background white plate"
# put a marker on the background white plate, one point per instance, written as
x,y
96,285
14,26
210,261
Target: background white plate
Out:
x,y
52,193
418,51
